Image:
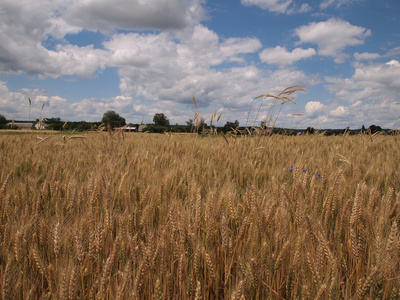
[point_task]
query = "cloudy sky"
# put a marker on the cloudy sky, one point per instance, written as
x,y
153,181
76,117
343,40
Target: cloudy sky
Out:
x,y
141,57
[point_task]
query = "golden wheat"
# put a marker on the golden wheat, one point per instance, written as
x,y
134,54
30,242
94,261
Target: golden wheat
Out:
x,y
183,216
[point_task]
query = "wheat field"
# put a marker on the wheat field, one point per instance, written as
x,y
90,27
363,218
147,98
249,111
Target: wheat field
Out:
x,y
142,216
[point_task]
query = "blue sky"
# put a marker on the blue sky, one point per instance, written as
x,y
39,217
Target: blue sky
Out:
x,y
82,58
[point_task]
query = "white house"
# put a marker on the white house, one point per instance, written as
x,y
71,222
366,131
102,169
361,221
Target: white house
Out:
x,y
40,125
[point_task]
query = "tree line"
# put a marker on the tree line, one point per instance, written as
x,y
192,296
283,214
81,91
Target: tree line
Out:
x,y
112,120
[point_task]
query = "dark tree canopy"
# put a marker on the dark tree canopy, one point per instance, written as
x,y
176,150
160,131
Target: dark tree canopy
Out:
x,y
3,121
189,122
113,119
310,130
373,129
160,120
230,125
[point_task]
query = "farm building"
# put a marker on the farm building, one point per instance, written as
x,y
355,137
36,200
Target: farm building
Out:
x,y
41,125
130,128
21,125
127,128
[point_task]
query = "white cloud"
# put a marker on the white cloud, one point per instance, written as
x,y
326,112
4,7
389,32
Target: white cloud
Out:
x,y
374,82
59,28
282,57
74,60
393,62
66,60
326,3
305,7
15,105
395,52
134,14
340,112
338,3
232,47
27,27
366,56
231,90
313,107
279,6
373,91
332,37
156,66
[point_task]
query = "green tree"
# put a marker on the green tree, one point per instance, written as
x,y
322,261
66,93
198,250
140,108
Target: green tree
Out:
x,y
3,122
160,120
374,129
113,119
230,126
310,130
54,124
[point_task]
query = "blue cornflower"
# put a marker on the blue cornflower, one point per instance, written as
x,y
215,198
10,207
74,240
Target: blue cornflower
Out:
x,y
319,176
305,170
291,169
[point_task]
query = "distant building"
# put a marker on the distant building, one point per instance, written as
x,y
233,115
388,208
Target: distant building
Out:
x,y
40,125
130,128
141,127
127,128
26,126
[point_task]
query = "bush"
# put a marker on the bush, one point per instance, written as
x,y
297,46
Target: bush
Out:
x,y
3,122
155,129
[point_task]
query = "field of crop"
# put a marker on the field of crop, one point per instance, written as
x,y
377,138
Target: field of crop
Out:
x,y
142,216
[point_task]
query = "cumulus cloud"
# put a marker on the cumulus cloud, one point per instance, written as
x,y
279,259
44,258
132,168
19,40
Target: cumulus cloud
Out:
x,y
233,47
161,71
372,91
393,62
22,42
282,57
338,3
231,90
332,37
374,82
340,112
279,6
156,66
158,72
15,105
312,107
134,14
305,7
27,27
366,56
66,60
326,3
